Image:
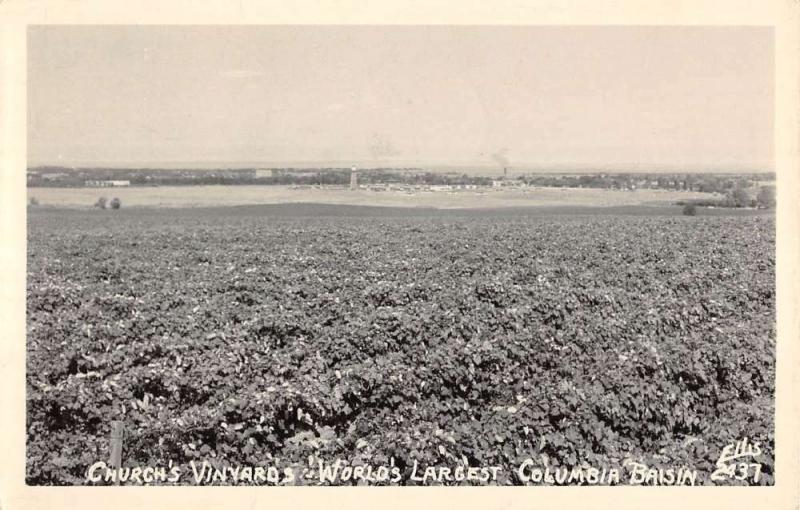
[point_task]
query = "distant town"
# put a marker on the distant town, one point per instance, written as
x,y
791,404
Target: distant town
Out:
x,y
388,179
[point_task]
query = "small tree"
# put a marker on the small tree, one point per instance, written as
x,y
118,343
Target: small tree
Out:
x,y
766,197
33,202
689,210
115,203
740,198
101,203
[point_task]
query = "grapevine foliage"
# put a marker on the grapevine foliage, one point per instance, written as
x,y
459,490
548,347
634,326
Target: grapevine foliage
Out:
x,y
483,340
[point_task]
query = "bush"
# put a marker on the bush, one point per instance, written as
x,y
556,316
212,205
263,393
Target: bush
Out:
x,y
689,210
115,203
101,203
766,197
33,202
739,198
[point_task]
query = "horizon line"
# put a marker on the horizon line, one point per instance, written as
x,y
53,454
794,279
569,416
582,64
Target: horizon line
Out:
x,y
362,164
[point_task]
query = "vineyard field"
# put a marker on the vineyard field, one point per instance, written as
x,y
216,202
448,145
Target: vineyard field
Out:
x,y
474,340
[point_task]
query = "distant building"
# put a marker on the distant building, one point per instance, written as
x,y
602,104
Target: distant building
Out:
x,y
107,184
264,172
441,187
53,176
507,183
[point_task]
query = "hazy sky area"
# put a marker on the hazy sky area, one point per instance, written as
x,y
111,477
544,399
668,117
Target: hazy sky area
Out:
x,y
643,97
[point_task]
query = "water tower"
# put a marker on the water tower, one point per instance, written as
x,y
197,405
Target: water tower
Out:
x,y
353,178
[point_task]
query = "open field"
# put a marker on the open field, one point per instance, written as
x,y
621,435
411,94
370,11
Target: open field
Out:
x,y
205,196
474,340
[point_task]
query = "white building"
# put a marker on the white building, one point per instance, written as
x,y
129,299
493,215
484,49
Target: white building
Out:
x,y
107,184
264,172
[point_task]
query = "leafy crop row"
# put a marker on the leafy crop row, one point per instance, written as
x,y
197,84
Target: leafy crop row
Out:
x,y
481,341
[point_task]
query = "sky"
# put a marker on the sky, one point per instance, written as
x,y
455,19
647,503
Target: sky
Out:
x,y
524,96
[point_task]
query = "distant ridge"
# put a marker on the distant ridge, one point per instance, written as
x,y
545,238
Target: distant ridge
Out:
x,y
457,167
